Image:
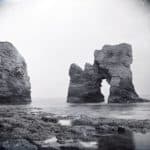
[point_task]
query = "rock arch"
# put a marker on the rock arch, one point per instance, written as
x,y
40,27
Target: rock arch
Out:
x,y
111,63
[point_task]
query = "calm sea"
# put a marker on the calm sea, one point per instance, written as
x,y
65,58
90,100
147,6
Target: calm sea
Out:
x,y
121,111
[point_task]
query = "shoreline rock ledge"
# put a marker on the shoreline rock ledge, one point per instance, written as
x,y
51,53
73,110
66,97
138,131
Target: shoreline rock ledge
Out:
x,y
15,84
112,63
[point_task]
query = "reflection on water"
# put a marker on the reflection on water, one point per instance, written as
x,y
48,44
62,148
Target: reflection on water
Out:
x,y
65,122
121,111
51,140
91,144
128,141
117,142
142,141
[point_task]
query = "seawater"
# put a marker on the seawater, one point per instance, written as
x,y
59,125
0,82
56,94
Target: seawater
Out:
x,y
59,106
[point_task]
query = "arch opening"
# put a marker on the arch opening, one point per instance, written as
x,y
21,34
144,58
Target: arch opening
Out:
x,y
105,89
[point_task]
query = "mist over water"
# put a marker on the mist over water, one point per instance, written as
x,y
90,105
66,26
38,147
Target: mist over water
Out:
x,y
52,34
58,106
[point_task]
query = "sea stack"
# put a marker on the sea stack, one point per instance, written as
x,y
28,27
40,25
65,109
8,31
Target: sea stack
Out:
x,y
15,85
112,63
84,85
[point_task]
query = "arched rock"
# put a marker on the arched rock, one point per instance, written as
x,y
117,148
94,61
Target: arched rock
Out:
x,y
112,63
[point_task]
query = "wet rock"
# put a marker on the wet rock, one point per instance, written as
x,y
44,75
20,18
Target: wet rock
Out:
x,y
49,144
121,130
70,147
116,142
106,129
5,126
84,120
113,63
50,119
85,132
17,144
84,85
14,80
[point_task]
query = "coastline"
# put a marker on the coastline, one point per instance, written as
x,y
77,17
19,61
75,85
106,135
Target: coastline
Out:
x,y
32,128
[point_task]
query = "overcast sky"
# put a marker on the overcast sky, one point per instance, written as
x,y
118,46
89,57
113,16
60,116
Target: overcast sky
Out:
x,y
52,34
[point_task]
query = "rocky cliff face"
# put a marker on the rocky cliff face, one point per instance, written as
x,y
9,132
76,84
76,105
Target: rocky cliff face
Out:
x,y
84,85
116,61
14,80
111,63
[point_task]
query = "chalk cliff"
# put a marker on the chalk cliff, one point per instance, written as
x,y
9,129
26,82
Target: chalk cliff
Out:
x,y
14,80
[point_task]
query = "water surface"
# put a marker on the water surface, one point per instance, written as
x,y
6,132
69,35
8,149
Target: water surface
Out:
x,y
121,111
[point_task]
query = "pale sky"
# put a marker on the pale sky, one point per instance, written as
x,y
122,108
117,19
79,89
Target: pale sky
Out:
x,y
52,34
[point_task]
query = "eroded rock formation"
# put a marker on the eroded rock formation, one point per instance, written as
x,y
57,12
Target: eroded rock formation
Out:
x,y
14,80
84,84
111,63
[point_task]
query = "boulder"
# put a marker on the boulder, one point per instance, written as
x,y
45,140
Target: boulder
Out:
x,y
14,80
112,63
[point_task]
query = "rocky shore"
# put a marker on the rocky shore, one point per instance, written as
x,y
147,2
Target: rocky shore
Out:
x,y
28,128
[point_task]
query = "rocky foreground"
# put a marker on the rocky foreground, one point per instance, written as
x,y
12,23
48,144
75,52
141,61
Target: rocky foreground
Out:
x,y
26,128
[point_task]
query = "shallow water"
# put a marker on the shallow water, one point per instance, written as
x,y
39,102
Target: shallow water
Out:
x,y
91,144
50,140
128,141
65,122
142,141
121,111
